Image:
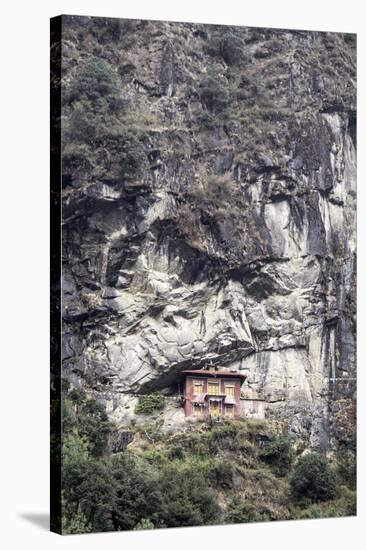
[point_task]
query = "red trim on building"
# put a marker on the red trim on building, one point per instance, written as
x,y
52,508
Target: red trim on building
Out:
x,y
216,374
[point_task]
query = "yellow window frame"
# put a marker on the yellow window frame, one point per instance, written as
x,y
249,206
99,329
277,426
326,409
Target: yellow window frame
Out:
x,y
214,388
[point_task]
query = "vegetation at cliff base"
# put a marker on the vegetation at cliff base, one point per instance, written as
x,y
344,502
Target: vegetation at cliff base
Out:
x,y
230,472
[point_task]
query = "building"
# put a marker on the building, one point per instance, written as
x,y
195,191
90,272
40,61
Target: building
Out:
x,y
253,408
212,393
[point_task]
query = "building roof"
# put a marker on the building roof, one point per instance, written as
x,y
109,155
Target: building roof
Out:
x,y
199,398
229,400
216,374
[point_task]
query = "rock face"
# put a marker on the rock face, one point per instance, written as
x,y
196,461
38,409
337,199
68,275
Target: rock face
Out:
x,y
235,244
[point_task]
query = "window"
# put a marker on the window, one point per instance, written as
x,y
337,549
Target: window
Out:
x,y
214,388
229,389
198,387
229,410
197,409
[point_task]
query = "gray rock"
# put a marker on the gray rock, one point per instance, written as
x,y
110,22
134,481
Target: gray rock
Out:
x,y
122,440
163,272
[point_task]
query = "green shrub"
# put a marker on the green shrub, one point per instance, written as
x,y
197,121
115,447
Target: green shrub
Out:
x,y
144,524
241,511
77,395
197,444
95,426
186,499
138,496
107,30
347,467
166,497
69,419
88,487
226,43
65,385
96,494
148,404
75,524
100,134
312,479
122,154
316,511
96,87
278,453
176,452
344,505
214,92
222,475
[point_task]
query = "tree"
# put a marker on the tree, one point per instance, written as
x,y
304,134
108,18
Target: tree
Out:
x,y
89,488
278,453
313,479
138,497
222,474
186,499
122,153
214,92
226,42
97,494
77,395
76,524
95,426
96,87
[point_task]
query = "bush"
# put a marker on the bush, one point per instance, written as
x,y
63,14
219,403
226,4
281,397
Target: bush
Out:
x,y
144,524
96,86
226,42
344,505
150,403
122,154
278,453
176,452
138,496
100,136
88,488
214,93
69,420
186,499
222,475
242,511
95,426
75,524
86,418
231,48
97,494
77,395
107,30
313,480
347,467
220,188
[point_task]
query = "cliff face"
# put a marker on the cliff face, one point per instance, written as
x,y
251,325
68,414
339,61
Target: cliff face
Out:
x,y
218,223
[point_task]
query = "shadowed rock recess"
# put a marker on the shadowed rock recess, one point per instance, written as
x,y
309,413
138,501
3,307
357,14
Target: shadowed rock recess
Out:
x,y
209,213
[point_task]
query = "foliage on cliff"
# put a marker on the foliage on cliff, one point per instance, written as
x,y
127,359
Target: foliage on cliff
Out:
x,y
231,472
